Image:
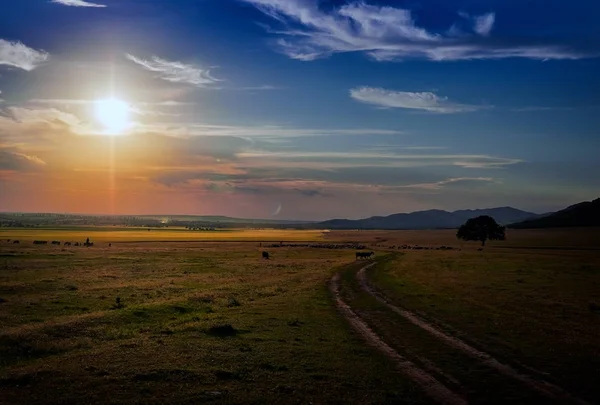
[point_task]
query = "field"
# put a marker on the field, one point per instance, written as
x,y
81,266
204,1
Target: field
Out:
x,y
125,234
200,320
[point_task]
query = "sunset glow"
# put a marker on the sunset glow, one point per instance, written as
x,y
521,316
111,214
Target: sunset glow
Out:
x,y
297,109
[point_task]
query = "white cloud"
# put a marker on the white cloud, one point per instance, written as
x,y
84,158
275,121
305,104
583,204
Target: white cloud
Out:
x,y
270,132
21,56
484,24
452,181
382,159
425,101
390,33
77,3
177,72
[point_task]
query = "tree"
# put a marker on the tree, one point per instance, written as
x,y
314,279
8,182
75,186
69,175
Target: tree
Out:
x,y
481,229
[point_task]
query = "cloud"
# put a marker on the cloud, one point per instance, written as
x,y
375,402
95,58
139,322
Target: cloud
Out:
x,y
18,55
11,160
389,33
484,24
77,3
176,72
425,101
345,159
271,132
452,182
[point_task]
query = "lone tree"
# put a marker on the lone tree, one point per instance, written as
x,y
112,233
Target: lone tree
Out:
x,y
481,229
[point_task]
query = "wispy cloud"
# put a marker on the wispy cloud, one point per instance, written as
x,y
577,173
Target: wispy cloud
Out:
x,y
484,24
12,160
388,33
260,131
455,181
425,101
77,3
344,159
18,55
177,72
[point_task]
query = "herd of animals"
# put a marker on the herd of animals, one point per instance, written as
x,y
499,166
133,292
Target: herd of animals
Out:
x,y
265,254
55,242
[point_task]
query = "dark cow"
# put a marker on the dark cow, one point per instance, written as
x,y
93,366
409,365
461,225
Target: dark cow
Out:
x,y
265,255
56,242
364,255
67,243
16,241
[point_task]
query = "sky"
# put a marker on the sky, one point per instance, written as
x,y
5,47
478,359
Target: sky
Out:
x,y
298,109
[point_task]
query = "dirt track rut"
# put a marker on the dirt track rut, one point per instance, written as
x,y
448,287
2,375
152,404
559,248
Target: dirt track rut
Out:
x,y
545,388
432,387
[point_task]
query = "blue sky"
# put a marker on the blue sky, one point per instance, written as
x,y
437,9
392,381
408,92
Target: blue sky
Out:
x,y
298,109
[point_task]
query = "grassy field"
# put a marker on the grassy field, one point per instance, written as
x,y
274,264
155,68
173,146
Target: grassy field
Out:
x,y
212,322
530,301
123,234
201,322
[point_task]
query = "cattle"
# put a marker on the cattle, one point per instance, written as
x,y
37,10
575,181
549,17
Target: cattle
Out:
x,y
364,255
67,243
16,241
265,255
56,242
40,242
76,243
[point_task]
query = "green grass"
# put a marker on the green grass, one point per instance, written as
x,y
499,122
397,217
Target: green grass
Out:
x,y
199,323
532,306
213,322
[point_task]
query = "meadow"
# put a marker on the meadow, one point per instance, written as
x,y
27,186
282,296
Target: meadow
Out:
x,y
162,318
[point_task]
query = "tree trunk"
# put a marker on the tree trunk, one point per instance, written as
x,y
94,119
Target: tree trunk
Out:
x,y
482,242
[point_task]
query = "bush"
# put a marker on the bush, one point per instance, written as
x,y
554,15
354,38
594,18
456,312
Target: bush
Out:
x,y
118,304
223,330
233,302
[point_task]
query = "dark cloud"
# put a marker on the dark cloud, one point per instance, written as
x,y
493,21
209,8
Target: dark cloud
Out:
x,y
11,160
311,193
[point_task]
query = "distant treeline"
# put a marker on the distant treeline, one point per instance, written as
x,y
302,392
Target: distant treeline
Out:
x,y
31,220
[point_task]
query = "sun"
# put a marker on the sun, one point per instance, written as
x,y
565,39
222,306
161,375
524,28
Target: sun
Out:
x,y
113,114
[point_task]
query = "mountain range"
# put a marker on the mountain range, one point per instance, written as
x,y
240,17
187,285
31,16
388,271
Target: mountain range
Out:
x,y
583,214
430,219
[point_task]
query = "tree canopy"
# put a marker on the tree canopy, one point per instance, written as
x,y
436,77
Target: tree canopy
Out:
x,y
481,229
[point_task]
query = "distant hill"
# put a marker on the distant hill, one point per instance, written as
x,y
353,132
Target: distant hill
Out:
x,y
431,219
582,214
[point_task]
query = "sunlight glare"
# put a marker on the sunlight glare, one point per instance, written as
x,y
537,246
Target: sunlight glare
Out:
x,y
113,114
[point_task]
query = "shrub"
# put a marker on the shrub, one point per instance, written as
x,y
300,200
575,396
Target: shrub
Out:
x,y
233,302
118,304
223,330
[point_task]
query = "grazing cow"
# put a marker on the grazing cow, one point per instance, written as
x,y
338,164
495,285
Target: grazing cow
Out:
x,y
364,255
67,243
265,255
56,242
76,243
16,241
